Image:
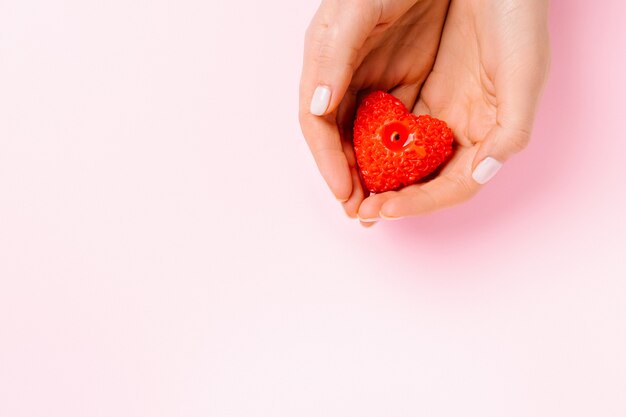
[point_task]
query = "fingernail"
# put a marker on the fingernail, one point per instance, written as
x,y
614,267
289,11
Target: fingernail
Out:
x,y
389,218
320,100
486,170
369,220
367,225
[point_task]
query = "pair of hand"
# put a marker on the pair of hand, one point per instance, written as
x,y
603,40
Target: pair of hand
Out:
x,y
479,65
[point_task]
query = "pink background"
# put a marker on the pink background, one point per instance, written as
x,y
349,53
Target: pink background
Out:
x,y
167,247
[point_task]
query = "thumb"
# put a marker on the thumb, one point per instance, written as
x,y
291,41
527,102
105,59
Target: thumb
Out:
x,y
519,62
500,144
518,92
333,51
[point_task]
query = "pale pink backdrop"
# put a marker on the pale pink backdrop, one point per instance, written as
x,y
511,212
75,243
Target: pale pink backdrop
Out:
x,y
167,247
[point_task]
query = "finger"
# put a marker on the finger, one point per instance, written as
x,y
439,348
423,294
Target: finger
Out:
x,y
331,46
351,206
407,94
510,135
442,192
499,145
514,123
369,210
518,96
518,85
325,143
345,120
333,50
368,224
453,186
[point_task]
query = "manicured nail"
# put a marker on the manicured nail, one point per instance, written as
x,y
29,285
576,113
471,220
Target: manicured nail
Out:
x,y
369,220
320,101
486,170
389,218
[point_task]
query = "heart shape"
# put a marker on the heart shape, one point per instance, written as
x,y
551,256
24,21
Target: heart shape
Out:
x,y
395,148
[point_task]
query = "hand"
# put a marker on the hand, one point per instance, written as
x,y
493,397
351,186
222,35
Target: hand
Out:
x,y
486,82
357,45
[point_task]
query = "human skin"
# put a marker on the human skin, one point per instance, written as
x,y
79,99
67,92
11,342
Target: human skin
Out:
x,y
492,60
353,46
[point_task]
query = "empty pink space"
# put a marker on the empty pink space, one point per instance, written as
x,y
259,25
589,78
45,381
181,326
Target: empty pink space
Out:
x,y
168,248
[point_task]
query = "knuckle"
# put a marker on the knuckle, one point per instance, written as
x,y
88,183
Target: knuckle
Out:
x,y
320,44
330,55
465,187
325,54
314,32
519,140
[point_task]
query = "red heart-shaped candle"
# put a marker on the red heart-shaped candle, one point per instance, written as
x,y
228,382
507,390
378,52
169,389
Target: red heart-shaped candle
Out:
x,y
395,148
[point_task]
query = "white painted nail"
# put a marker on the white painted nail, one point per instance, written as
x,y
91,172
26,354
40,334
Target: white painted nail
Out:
x,y
382,216
486,170
369,220
320,100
